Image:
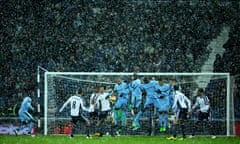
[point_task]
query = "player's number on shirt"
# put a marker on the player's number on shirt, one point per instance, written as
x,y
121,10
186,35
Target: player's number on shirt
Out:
x,y
74,105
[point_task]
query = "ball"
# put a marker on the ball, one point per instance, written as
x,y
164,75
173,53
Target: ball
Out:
x,y
113,98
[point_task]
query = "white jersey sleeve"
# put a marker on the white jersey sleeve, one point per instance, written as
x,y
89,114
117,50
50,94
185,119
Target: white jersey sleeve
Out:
x,y
65,104
203,103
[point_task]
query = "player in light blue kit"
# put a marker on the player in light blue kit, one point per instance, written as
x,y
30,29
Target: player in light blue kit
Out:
x,y
25,116
121,91
163,92
172,83
136,99
149,88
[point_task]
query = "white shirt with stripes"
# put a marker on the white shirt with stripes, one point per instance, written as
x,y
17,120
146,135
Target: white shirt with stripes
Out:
x,y
76,103
93,101
203,103
181,101
103,103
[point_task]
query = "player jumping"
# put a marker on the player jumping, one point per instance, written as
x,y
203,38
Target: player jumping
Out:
x,y
122,92
149,89
164,106
136,100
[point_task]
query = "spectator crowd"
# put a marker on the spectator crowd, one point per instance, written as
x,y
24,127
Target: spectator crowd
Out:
x,y
110,36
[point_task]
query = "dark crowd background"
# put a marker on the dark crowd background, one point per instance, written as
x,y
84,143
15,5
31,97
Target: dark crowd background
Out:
x,y
110,36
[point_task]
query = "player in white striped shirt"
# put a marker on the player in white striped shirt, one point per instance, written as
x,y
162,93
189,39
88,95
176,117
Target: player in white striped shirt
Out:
x,y
202,106
93,111
78,111
183,105
104,109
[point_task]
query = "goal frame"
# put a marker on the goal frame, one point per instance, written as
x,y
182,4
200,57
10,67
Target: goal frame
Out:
x,y
228,99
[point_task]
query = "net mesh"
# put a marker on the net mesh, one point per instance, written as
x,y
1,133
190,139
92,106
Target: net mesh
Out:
x,y
59,87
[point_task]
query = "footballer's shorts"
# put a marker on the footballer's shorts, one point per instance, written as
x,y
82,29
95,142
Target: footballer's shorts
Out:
x,y
103,114
203,115
136,101
122,103
93,115
154,101
81,118
182,114
164,105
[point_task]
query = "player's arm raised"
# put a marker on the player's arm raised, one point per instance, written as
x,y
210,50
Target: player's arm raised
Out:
x,y
65,104
108,93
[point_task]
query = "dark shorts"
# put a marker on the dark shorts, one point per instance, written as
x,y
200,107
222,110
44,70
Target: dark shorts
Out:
x,y
93,116
203,115
103,115
81,118
182,114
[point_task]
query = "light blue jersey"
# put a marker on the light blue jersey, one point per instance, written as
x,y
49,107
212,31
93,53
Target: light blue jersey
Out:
x,y
152,97
164,93
25,116
135,88
164,97
25,107
165,89
150,89
121,90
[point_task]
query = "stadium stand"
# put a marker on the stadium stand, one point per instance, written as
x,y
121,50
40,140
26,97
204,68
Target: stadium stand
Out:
x,y
110,36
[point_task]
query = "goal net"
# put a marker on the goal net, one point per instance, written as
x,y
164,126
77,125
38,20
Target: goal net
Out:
x,y
59,86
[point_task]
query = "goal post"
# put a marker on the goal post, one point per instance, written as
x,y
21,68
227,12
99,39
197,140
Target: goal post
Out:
x,y
58,86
